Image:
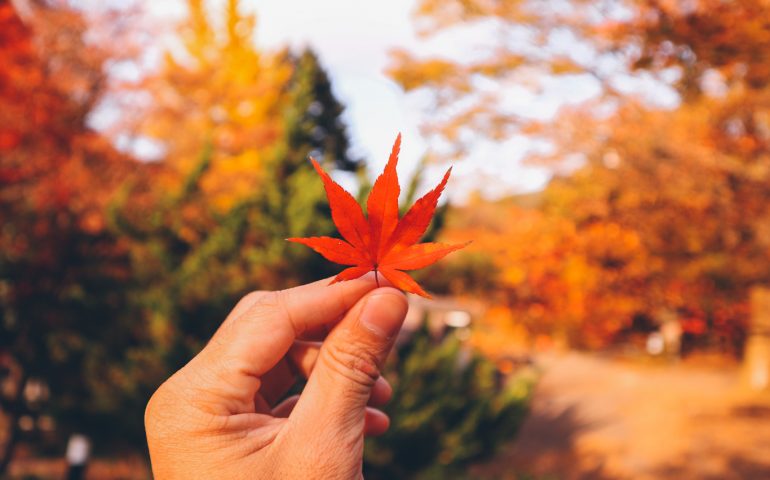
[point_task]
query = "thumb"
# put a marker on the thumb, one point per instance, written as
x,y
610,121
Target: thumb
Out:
x,y
333,403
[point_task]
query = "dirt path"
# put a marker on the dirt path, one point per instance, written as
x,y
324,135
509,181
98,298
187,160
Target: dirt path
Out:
x,y
599,418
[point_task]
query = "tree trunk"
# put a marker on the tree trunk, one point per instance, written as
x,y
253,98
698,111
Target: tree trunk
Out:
x,y
756,358
14,411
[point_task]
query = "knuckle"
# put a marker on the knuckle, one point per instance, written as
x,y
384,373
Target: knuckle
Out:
x,y
170,402
254,297
149,413
264,304
278,303
164,406
258,304
267,299
241,309
354,362
154,410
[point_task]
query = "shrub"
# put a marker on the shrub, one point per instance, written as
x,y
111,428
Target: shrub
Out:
x,y
450,407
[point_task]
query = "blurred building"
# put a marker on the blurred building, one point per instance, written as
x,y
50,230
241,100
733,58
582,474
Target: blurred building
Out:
x,y
440,315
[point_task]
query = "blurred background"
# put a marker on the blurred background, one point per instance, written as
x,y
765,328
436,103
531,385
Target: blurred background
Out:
x,y
611,319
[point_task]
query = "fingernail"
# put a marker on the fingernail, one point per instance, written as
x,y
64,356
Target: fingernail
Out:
x,y
383,313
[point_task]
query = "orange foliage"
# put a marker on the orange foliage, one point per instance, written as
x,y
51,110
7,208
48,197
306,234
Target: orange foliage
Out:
x,y
48,156
580,284
667,209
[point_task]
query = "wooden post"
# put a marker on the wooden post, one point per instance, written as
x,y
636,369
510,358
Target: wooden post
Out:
x,y
756,361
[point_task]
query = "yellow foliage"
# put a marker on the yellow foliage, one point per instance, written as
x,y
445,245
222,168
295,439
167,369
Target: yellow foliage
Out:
x,y
226,91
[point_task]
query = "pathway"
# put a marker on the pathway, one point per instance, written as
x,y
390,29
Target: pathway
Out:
x,y
595,417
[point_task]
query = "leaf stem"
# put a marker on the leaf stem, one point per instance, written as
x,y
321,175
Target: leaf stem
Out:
x,y
376,278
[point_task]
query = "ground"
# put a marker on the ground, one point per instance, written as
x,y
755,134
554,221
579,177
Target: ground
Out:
x,y
603,417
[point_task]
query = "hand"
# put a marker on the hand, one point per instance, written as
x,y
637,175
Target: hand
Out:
x,y
217,417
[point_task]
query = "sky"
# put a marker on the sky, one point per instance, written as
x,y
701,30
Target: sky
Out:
x,y
353,39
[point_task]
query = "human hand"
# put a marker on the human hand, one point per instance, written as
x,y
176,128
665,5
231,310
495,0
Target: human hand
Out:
x,y
217,417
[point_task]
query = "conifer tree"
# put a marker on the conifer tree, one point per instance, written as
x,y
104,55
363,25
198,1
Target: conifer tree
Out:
x,y
191,269
450,407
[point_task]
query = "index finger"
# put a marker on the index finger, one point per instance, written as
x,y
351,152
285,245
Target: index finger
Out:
x,y
263,326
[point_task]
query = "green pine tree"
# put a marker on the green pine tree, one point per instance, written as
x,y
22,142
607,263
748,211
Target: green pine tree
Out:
x,y
184,284
293,202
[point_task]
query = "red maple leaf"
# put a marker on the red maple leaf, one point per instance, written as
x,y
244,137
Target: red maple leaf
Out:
x,y
380,242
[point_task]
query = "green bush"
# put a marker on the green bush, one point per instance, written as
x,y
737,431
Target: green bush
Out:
x,y
450,407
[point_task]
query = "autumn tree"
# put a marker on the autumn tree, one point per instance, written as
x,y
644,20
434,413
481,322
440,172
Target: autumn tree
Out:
x,y
60,268
534,47
213,81
522,49
691,181
686,176
542,275
698,212
198,240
